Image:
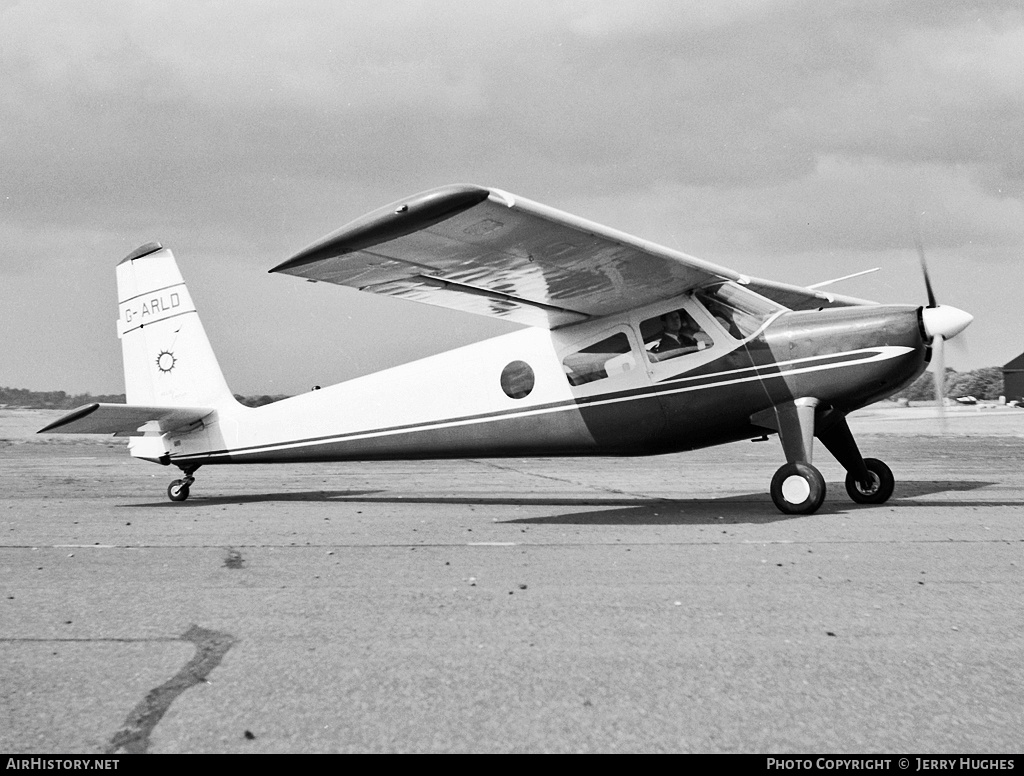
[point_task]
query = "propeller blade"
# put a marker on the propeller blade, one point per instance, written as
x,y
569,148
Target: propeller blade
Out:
x,y
924,269
939,360
961,347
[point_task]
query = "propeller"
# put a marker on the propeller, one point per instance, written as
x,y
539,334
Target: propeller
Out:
x,y
941,323
939,377
924,270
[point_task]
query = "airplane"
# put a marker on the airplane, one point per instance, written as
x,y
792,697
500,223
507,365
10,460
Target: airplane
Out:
x,y
627,348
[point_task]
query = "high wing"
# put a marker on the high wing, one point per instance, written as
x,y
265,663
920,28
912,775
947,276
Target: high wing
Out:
x,y
126,420
482,250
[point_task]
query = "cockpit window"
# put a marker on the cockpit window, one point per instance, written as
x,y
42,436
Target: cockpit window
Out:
x,y
673,334
740,312
603,359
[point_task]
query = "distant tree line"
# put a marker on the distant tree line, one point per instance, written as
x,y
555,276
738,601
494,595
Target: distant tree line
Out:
x,y
59,400
985,384
53,400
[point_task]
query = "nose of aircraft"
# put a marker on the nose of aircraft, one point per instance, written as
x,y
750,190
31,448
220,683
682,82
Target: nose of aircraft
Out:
x,y
945,321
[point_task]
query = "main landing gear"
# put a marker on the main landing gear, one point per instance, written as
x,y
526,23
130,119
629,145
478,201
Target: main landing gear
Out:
x,y
178,489
798,487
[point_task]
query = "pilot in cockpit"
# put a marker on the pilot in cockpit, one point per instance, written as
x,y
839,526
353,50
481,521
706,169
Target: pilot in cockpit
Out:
x,y
672,336
680,335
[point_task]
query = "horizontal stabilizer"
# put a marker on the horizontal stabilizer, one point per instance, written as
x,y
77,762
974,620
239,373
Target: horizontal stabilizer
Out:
x,y
126,420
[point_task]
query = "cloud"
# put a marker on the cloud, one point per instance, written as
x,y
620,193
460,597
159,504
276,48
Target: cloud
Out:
x,y
731,94
742,131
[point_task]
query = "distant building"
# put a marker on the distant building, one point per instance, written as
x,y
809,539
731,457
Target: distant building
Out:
x,y
1013,379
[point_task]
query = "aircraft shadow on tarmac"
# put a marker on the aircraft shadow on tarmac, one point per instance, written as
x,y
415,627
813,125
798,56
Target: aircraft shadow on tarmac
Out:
x,y
747,508
260,498
619,510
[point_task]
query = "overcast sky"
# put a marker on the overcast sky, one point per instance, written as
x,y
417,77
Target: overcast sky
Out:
x,y
796,140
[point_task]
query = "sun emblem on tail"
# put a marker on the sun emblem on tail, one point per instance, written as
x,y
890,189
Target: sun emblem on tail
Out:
x,y
165,361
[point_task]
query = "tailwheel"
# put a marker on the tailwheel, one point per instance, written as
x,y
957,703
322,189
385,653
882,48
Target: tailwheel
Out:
x,y
177,490
878,490
798,489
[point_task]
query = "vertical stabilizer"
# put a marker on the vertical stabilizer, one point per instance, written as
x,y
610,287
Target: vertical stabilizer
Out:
x,y
168,360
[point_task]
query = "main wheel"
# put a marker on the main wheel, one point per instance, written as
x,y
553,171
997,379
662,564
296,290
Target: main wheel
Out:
x,y
881,488
177,491
798,489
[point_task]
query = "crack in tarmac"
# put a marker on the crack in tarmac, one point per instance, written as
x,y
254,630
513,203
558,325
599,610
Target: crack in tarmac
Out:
x,y
133,737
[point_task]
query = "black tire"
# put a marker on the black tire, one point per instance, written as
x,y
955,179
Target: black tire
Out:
x,y
798,489
177,491
883,487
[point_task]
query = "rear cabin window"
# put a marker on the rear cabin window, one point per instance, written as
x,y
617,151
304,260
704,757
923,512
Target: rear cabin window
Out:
x,y
740,312
673,334
517,379
603,359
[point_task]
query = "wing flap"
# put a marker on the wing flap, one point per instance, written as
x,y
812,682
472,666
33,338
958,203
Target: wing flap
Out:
x,y
126,420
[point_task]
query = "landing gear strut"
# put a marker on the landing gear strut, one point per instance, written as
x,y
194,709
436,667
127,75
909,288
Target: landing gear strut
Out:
x,y
798,487
868,480
178,489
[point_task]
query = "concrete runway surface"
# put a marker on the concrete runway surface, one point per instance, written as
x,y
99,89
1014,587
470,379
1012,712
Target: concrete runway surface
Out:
x,y
551,605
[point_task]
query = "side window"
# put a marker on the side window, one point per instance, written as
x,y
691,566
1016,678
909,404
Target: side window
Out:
x,y
673,334
603,359
740,312
517,379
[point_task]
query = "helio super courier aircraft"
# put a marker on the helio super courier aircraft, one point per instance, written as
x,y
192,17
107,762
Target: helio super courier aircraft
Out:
x,y
628,348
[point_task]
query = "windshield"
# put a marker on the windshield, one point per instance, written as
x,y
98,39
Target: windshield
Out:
x,y
740,312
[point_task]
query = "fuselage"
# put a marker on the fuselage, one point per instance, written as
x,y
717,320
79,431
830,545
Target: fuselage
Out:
x,y
596,388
